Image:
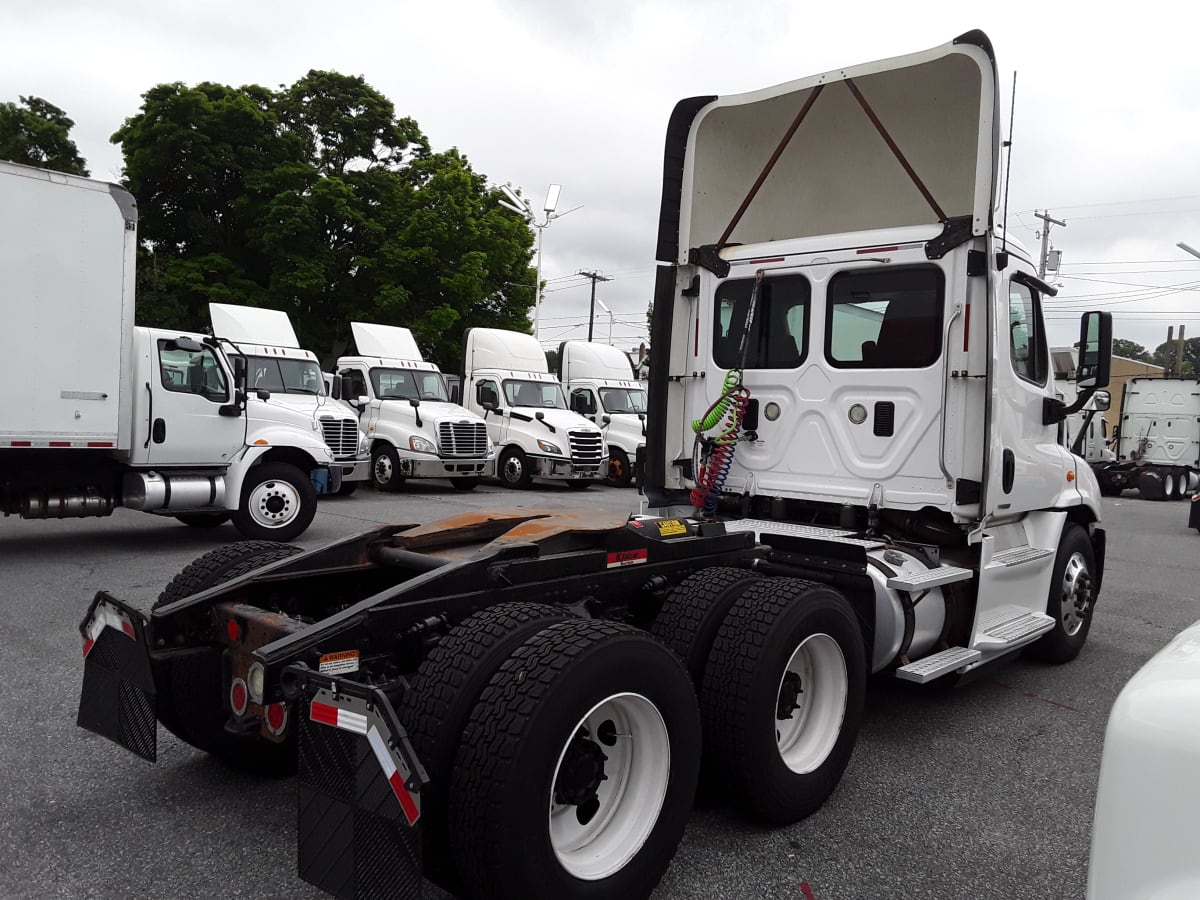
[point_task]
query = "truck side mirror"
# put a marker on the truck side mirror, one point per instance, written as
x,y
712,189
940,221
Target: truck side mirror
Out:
x,y
239,370
1095,350
344,385
455,394
362,400
1101,400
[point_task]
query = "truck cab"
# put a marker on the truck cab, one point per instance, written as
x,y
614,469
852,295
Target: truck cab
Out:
x,y
285,384
600,386
846,337
404,404
507,380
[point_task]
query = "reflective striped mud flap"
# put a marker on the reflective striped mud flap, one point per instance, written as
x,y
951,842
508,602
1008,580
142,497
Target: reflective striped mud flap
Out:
x,y
359,808
117,699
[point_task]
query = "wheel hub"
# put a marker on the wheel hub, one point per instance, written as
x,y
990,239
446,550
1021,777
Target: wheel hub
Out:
x,y
581,772
789,696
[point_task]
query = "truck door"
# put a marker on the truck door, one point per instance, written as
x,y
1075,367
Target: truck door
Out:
x,y
189,385
360,386
1026,465
489,389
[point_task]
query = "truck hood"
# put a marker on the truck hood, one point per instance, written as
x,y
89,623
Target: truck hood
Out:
x,y
563,420
911,140
295,409
626,429
433,412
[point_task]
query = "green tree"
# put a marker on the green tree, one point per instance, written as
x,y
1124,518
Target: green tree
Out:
x,y
1131,350
35,132
1164,355
318,200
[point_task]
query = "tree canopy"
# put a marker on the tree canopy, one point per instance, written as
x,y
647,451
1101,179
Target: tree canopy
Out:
x,y
318,200
1131,350
1164,355
35,132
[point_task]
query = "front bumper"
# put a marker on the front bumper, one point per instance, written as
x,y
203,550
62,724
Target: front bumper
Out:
x,y
355,469
434,467
565,469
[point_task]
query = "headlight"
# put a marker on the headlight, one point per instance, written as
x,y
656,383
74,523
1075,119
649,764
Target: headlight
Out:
x,y
421,445
547,447
362,442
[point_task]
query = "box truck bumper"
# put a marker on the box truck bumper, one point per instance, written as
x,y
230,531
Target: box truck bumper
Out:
x,y
447,468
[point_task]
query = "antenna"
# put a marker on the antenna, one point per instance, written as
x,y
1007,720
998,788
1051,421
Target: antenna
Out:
x,y
1012,114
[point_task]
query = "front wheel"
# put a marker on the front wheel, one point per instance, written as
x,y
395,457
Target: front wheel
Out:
x,y
619,473
385,469
782,697
278,503
576,771
1072,598
513,468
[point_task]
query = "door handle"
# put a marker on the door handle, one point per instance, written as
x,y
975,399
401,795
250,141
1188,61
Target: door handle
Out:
x,y
158,433
1008,472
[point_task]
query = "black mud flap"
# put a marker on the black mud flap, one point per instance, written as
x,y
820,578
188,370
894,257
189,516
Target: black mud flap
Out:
x,y
358,834
117,699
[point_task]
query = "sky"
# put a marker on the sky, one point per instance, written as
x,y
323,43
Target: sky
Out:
x,y
539,92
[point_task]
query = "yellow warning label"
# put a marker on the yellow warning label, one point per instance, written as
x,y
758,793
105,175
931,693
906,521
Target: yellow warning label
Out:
x,y
671,526
339,663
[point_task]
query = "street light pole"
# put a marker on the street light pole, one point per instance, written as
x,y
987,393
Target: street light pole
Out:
x,y
610,320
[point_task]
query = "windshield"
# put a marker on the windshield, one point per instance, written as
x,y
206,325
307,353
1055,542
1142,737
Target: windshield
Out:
x,y
285,376
409,384
534,393
623,400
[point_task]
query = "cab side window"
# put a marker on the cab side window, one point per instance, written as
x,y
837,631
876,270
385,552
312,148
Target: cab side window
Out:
x,y
358,383
487,391
583,401
1026,338
192,372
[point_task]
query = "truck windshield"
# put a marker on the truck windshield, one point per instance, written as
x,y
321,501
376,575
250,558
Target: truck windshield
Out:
x,y
534,393
623,400
409,384
285,376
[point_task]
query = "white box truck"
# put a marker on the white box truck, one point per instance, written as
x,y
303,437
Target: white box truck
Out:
x,y
600,387
507,380
853,454
96,413
1158,440
286,384
413,429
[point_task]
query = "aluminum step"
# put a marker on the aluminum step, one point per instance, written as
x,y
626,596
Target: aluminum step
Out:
x,y
1018,555
930,578
1011,626
939,664
813,532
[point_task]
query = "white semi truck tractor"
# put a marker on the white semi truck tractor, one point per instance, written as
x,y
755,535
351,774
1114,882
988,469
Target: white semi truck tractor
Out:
x,y
853,466
96,413
600,386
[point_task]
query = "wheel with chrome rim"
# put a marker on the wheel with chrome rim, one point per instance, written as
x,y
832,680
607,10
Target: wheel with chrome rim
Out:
x,y
782,697
278,503
385,469
576,772
513,468
1073,588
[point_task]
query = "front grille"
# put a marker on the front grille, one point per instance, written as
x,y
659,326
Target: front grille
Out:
x,y
587,448
341,435
463,439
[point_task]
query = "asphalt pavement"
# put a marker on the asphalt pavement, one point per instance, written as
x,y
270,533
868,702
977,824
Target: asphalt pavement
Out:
x,y
984,791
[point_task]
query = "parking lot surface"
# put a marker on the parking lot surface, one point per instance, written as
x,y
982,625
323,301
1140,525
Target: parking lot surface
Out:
x,y
983,791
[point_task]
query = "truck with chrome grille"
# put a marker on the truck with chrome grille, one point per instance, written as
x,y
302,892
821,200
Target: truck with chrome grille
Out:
x,y
412,427
286,384
507,380
852,455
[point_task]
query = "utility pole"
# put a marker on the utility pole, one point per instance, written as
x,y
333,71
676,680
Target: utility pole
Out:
x,y
1046,223
595,276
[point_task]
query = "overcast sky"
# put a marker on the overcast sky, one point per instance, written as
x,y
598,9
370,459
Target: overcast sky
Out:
x,y
536,92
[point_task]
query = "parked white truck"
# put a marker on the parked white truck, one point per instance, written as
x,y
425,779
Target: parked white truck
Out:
x,y
1158,440
853,450
286,384
600,387
507,380
96,413
413,428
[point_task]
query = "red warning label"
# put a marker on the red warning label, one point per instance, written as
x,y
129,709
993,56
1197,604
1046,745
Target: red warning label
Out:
x,y
626,558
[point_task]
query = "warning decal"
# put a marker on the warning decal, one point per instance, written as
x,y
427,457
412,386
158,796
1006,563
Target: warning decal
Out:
x,y
339,663
626,558
671,526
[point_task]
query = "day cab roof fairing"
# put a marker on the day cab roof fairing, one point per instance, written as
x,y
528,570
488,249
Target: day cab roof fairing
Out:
x,y
911,140
252,325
